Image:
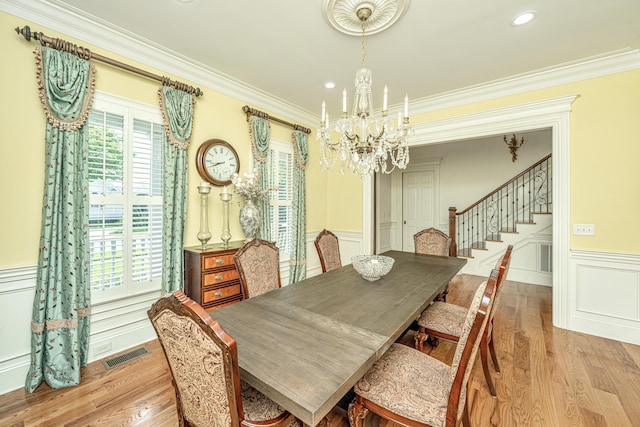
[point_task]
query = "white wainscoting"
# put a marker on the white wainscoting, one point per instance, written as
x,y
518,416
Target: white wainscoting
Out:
x,y
116,325
604,293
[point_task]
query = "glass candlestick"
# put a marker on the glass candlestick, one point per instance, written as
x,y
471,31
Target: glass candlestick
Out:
x,y
204,235
226,233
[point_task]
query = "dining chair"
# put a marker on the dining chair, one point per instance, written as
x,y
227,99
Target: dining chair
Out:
x,y
432,241
203,361
443,320
258,264
412,388
328,250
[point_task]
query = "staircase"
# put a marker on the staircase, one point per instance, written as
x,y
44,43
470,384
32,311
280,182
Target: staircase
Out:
x,y
518,212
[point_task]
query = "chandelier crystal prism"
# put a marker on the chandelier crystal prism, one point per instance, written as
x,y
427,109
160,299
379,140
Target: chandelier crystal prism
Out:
x,y
367,143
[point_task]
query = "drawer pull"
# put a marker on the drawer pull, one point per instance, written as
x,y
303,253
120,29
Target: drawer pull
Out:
x,y
218,294
219,261
219,277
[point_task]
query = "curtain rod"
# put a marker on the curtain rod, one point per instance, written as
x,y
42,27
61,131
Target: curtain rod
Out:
x,y
253,112
85,53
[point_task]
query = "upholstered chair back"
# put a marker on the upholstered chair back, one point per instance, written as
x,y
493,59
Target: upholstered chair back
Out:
x,y
472,330
258,263
202,359
432,241
328,250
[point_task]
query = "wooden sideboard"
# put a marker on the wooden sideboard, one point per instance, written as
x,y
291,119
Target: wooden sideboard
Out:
x,y
210,276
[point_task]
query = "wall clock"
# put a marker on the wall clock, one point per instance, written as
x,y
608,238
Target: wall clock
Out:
x,y
217,161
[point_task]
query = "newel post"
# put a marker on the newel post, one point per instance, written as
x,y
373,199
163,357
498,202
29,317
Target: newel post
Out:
x,y
453,249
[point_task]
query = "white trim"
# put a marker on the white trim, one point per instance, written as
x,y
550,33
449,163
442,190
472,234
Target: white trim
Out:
x,y
604,294
550,113
75,23
586,68
72,22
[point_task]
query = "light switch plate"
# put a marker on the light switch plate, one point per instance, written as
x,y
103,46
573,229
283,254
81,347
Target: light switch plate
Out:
x,y
584,229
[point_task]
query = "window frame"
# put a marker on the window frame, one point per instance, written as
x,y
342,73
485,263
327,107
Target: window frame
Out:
x,y
274,201
131,110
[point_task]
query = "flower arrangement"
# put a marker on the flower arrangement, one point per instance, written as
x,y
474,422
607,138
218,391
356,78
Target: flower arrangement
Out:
x,y
249,189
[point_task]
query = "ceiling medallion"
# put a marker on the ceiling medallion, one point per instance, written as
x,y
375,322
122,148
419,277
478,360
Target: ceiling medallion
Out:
x,y
342,14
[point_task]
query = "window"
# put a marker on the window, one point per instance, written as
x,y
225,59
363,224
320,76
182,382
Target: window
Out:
x,y
281,167
125,200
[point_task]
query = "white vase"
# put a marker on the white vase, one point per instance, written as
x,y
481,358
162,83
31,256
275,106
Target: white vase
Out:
x,y
249,220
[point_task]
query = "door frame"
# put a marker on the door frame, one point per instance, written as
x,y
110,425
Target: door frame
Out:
x,y
551,113
397,182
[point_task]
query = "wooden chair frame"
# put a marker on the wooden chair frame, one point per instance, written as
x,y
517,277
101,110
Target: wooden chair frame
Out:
x,y
183,306
237,257
323,234
486,343
360,407
419,234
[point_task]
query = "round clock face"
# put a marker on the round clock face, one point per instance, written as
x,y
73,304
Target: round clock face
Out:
x,y
217,161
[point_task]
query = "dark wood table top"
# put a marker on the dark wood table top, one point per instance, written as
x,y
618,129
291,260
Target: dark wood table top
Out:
x,y
305,345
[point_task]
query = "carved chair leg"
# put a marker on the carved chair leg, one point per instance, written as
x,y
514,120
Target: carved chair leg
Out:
x,y
485,365
357,412
492,349
419,338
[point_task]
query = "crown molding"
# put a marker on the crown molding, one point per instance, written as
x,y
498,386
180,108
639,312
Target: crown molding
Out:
x,y
91,30
588,68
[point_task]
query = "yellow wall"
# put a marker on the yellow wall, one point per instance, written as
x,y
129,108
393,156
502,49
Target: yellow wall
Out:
x,y
604,152
604,155
22,144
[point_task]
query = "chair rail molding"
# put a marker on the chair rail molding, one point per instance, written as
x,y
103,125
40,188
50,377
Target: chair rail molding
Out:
x,y
553,113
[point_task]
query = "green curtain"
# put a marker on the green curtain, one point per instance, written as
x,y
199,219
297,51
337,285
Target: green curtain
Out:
x,y
177,112
298,261
259,132
62,302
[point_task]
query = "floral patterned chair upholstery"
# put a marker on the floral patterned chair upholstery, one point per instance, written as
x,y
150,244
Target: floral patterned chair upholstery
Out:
x,y
432,241
412,388
443,320
203,361
258,264
328,250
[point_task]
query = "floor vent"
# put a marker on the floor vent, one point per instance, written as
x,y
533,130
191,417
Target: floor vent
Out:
x,y
125,357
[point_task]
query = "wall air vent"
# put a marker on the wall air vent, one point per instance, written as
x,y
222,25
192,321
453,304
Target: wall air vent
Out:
x,y
125,357
545,257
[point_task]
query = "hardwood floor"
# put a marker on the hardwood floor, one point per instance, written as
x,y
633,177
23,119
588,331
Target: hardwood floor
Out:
x,y
550,377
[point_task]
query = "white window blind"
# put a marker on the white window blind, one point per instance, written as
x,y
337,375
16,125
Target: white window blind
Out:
x,y
125,185
281,158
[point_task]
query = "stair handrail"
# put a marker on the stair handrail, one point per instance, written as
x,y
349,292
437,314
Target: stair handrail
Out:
x,y
453,249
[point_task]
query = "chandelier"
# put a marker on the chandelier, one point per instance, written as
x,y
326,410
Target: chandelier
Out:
x,y
367,143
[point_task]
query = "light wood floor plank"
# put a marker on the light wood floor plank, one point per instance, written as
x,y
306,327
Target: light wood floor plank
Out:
x,y
550,377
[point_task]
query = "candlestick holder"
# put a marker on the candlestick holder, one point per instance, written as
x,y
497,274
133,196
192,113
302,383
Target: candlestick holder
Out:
x,y
226,233
204,235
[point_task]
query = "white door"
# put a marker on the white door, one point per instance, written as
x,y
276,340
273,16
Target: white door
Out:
x,y
418,204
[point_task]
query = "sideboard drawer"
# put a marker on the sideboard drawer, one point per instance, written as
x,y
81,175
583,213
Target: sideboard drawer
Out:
x,y
221,293
210,275
217,277
213,261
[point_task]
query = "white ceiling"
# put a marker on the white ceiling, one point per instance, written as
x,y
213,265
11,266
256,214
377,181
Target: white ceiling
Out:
x,y
287,49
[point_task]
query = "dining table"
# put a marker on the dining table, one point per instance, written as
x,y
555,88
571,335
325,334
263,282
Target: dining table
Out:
x,y
305,345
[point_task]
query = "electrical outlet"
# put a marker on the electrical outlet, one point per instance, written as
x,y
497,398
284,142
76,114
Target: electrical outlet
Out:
x,y
584,229
101,348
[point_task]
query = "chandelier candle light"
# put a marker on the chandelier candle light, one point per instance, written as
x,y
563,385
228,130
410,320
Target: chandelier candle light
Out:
x,y
367,144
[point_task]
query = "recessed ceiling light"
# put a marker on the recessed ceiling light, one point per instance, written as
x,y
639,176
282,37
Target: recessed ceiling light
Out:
x,y
329,85
523,18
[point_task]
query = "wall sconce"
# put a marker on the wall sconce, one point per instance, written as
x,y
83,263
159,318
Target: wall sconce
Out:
x,y
513,146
